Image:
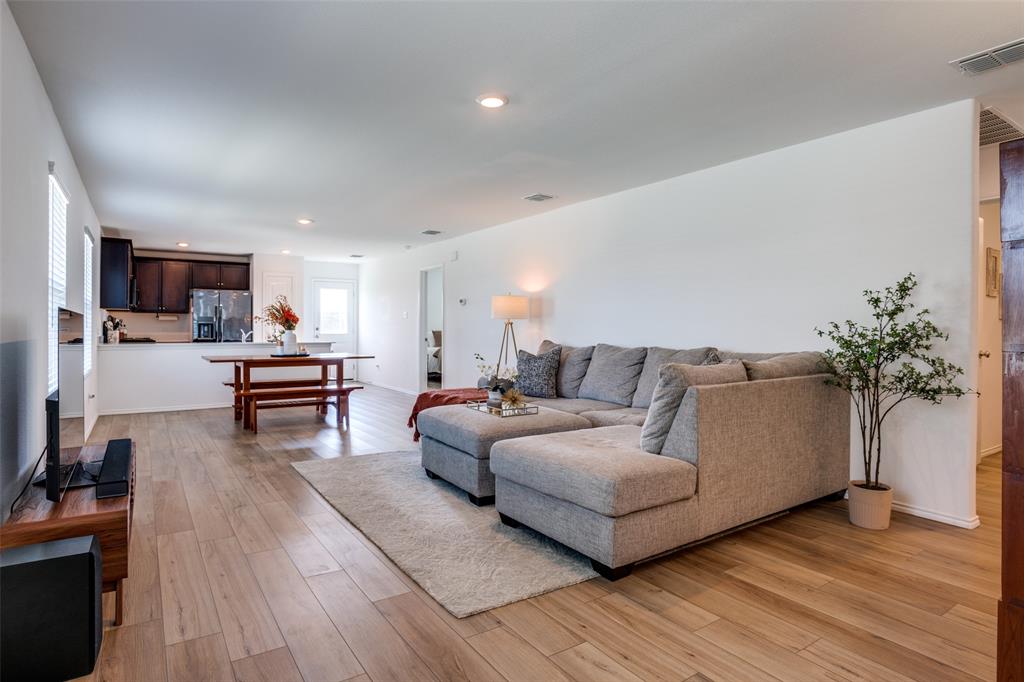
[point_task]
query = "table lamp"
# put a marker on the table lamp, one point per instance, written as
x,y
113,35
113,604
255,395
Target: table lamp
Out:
x,y
508,308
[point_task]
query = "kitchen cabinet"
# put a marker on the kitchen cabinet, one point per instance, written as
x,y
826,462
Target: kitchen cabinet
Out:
x,y
220,275
117,274
163,285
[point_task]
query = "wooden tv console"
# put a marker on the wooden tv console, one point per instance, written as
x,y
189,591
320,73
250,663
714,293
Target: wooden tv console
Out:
x,y
36,519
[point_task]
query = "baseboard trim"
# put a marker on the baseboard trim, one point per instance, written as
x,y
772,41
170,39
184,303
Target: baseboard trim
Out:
x,y
959,521
390,388
990,451
168,408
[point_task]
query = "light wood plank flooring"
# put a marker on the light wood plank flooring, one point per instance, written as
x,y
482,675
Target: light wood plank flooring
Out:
x,y
240,571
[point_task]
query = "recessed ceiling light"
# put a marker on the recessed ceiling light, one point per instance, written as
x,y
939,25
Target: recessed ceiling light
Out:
x,y
305,221
492,100
183,245
430,233
285,251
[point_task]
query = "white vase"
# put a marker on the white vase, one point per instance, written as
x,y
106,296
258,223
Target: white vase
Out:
x,y
289,344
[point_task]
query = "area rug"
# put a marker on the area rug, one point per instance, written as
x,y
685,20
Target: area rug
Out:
x,y
460,554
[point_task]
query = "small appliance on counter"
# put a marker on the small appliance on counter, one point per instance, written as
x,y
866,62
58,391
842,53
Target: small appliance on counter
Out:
x,y
221,315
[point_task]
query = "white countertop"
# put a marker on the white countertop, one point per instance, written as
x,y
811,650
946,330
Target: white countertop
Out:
x,y
204,346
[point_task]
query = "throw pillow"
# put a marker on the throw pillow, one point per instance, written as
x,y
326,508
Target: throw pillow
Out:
x,y
572,367
613,374
673,380
656,357
788,365
538,373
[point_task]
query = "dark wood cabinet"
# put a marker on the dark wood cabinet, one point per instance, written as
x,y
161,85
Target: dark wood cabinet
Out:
x,y
220,275
147,277
234,276
205,275
174,286
117,274
163,285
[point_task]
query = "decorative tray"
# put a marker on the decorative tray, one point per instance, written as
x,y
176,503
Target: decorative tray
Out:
x,y
290,355
481,406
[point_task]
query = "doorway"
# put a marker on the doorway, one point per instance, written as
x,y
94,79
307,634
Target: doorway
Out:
x,y
334,316
431,328
990,332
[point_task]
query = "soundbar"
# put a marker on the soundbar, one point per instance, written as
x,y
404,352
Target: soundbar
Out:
x,y
112,480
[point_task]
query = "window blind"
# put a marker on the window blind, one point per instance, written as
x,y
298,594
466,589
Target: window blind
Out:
x,y
58,274
88,338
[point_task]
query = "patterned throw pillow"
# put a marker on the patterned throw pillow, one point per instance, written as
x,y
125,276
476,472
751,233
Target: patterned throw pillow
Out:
x,y
538,374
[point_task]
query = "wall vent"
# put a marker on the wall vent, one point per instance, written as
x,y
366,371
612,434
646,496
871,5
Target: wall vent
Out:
x,y
538,197
430,233
993,128
993,58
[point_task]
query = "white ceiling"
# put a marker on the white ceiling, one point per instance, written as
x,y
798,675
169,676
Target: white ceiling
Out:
x,y
220,123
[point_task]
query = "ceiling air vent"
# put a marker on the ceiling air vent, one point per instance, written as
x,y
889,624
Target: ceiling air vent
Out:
x,y
993,58
538,197
356,255
430,233
993,128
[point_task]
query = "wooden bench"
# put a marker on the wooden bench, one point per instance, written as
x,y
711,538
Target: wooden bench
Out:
x,y
268,383
318,396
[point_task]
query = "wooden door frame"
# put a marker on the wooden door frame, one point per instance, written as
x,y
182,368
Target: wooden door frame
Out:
x,y
1010,654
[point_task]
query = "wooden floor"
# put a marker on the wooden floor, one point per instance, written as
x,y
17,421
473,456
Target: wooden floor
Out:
x,y
240,571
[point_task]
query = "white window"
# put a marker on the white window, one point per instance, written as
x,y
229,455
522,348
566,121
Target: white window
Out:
x,y
58,273
333,309
88,339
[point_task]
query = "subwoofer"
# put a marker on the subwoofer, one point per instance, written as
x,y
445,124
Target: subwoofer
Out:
x,y
51,613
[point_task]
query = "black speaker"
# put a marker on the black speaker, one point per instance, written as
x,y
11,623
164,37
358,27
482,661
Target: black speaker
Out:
x,y
51,621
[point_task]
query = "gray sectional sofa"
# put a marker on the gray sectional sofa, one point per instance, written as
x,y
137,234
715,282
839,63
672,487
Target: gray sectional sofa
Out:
x,y
648,449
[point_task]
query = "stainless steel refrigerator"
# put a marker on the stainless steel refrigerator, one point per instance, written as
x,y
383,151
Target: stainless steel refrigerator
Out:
x,y
221,315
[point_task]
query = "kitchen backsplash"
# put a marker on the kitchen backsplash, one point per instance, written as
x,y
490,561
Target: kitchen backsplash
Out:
x,y
147,324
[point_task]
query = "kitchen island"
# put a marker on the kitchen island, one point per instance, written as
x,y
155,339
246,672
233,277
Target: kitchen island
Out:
x,y
160,377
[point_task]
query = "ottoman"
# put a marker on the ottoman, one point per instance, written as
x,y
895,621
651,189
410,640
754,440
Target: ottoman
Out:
x,y
456,442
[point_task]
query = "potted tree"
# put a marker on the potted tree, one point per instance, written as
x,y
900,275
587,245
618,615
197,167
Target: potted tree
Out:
x,y
882,365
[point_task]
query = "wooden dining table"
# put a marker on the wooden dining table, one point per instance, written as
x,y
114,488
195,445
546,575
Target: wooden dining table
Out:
x,y
244,364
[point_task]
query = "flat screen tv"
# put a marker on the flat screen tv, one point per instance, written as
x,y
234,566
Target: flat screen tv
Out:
x,y
55,482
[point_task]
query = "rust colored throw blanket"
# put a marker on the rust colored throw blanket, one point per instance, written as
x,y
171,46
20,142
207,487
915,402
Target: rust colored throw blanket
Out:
x,y
447,396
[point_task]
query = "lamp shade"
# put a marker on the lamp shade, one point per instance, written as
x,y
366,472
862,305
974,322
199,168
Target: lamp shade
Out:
x,y
510,307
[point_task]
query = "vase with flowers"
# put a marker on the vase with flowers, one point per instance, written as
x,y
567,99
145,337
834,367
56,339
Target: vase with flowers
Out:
x,y
283,320
497,381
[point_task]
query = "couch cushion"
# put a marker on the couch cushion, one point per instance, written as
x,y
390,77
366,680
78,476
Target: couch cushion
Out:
x,y
613,374
474,432
656,357
571,368
788,365
633,416
536,374
673,380
573,405
600,469
724,355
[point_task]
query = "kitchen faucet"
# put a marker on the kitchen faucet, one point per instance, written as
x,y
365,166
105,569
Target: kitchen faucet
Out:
x,y
246,336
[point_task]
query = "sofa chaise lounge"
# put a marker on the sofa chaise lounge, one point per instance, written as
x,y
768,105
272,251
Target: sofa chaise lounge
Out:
x,y
730,451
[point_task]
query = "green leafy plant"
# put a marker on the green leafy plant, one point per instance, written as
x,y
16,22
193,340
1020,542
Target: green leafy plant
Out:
x,y
886,363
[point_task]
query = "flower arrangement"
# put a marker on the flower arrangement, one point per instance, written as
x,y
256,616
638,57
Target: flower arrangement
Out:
x,y
494,380
279,314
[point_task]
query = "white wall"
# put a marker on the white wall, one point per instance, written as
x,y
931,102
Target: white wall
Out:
x,y
750,255
988,173
435,299
30,137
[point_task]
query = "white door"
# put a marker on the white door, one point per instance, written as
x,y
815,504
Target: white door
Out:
x,y
334,315
274,285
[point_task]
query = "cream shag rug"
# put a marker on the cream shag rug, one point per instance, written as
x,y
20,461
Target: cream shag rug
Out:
x,y
459,553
